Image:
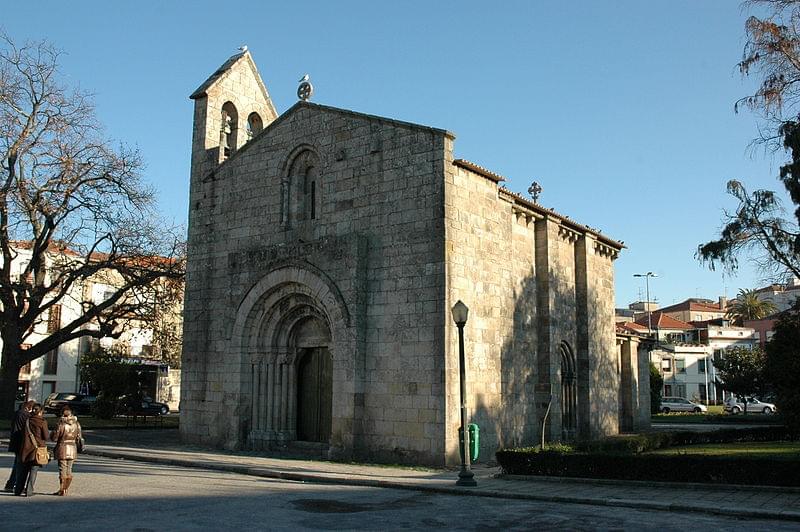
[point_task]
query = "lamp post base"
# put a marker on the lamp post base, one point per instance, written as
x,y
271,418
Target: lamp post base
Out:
x,y
466,478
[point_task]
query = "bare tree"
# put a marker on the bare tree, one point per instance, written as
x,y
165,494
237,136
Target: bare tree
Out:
x,y
760,224
78,210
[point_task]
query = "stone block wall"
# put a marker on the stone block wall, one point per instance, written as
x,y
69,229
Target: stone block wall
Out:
x,y
597,338
533,283
479,262
380,185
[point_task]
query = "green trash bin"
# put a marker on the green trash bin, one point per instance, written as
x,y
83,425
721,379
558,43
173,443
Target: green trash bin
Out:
x,y
474,441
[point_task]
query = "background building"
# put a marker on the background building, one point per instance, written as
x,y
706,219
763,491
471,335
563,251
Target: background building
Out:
x,y
58,371
688,371
696,309
783,296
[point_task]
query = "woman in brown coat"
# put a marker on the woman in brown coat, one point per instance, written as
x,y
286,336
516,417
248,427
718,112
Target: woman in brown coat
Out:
x,y
66,434
38,427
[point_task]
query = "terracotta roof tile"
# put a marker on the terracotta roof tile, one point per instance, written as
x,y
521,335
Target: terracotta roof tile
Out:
x,y
663,321
480,170
689,304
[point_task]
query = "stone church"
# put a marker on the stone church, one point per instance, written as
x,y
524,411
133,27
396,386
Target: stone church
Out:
x,y
326,249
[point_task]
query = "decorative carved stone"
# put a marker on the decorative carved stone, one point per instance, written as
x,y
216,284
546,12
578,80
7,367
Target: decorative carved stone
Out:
x,y
568,234
605,251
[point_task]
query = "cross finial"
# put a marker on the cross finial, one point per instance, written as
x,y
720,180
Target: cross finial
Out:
x,y
535,191
306,89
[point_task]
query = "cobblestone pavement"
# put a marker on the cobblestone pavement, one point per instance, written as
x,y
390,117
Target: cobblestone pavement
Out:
x,y
163,447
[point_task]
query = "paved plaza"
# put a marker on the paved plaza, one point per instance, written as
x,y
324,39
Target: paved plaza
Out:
x,y
115,494
147,480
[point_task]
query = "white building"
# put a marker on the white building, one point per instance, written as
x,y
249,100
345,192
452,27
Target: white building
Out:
x,y
783,296
687,366
688,371
721,335
58,371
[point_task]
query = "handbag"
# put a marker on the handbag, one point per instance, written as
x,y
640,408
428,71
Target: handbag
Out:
x,y
42,455
80,443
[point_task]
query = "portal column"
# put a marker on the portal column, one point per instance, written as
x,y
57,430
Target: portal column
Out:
x,y
292,427
285,398
276,397
266,393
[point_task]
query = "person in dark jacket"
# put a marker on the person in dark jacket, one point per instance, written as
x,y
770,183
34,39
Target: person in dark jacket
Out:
x,y
66,434
15,440
36,426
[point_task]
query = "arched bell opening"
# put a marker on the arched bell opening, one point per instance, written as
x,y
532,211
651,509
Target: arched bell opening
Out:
x,y
254,125
229,131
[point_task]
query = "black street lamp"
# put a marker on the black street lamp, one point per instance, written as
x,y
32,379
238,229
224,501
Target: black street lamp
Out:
x,y
465,476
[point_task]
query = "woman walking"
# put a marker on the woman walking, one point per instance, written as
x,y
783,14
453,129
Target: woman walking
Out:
x,y
18,432
66,436
34,436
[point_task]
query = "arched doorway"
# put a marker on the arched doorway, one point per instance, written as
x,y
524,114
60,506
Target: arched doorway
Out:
x,y
314,395
310,339
292,330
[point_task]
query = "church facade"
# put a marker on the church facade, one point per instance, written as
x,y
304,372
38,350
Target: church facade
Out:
x,y
326,249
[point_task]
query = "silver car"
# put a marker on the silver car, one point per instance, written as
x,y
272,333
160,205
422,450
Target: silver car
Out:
x,y
679,404
735,405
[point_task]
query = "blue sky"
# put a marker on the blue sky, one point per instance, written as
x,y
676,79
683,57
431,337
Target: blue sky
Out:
x,y
622,110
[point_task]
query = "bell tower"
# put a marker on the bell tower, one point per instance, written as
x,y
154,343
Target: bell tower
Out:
x,y
230,108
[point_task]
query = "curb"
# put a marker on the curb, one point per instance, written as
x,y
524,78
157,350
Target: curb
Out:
x,y
786,515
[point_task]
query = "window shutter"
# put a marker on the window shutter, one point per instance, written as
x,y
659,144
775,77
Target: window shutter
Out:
x,y
51,362
54,320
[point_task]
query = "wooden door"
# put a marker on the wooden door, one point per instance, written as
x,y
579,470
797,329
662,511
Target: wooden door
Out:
x,y
314,392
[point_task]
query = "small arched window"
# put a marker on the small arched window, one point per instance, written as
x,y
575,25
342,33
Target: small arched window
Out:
x,y
301,189
230,123
254,125
310,200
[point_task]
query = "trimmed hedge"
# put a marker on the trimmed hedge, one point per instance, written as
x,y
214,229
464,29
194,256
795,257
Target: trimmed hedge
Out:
x,y
721,419
677,468
619,458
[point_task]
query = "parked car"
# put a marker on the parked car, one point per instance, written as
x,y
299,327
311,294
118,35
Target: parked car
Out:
x,y
679,404
142,406
735,405
79,403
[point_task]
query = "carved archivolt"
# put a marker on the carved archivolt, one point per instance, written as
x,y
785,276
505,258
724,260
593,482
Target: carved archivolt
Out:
x,y
289,310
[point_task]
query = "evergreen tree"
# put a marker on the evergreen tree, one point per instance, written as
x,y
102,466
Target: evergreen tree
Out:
x,y
782,366
747,306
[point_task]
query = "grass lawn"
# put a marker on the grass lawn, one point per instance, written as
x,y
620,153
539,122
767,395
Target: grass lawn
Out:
x,y
767,450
